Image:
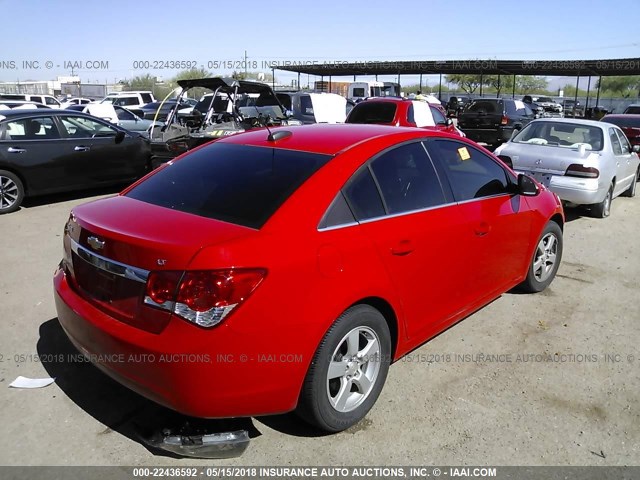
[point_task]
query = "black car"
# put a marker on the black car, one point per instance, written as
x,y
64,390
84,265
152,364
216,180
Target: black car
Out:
x,y
48,151
456,105
572,108
493,120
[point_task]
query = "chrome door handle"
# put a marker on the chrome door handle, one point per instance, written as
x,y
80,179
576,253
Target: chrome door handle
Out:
x,y
16,150
81,148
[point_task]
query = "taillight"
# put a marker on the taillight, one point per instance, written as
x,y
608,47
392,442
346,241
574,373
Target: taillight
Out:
x,y
204,297
578,170
504,120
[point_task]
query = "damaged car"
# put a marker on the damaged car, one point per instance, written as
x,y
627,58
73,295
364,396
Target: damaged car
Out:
x,y
233,106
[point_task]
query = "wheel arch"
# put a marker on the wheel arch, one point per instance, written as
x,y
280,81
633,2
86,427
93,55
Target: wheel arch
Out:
x,y
389,314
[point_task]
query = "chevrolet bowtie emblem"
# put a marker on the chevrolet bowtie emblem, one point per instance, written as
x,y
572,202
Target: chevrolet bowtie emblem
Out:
x,y
95,243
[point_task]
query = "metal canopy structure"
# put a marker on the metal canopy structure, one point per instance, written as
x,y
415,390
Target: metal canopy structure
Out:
x,y
569,68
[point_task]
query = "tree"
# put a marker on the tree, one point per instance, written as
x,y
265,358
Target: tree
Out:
x,y
624,86
531,83
498,83
192,74
141,82
256,76
468,83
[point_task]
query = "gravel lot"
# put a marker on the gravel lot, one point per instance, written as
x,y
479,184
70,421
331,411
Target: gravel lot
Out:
x,y
482,392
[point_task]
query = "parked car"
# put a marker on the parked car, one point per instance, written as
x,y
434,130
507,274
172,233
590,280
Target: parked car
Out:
x,y
401,112
47,100
493,120
456,105
628,123
120,116
572,108
131,100
313,107
293,266
49,151
550,106
67,102
584,162
537,110
233,106
633,109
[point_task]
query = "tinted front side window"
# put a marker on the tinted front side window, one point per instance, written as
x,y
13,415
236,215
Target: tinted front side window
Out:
x,y
471,173
372,112
234,183
407,179
41,128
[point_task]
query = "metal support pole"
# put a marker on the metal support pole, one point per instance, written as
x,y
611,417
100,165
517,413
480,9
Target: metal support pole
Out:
x,y
575,99
420,82
598,95
440,88
586,103
498,92
273,78
481,82
329,83
513,93
298,80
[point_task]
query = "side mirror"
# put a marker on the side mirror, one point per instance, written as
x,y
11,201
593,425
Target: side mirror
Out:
x,y
120,136
635,149
526,186
289,113
448,122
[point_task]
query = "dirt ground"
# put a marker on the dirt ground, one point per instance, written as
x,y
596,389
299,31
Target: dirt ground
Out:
x,y
546,379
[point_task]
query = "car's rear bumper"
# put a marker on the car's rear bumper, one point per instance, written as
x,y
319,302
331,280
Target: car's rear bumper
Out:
x,y
579,191
490,136
213,373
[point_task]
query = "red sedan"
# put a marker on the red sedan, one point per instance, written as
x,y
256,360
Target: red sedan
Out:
x,y
402,112
273,271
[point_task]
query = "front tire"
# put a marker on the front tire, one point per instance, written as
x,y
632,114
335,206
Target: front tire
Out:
x,y
348,370
11,192
546,259
603,209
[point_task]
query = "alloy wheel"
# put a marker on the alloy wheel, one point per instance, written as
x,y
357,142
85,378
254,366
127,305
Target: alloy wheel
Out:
x,y
8,193
546,255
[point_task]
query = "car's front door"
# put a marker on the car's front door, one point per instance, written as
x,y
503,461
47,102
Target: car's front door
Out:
x,y
103,156
497,222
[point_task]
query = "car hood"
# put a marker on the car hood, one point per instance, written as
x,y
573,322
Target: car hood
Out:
x,y
329,108
545,158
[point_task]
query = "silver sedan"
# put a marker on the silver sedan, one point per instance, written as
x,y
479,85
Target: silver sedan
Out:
x,y
584,162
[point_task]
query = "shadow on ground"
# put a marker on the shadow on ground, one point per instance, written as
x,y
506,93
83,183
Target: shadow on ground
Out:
x,y
124,411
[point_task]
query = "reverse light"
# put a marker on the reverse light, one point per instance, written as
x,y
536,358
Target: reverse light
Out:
x,y
203,297
578,170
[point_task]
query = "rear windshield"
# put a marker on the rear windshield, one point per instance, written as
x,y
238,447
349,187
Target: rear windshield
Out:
x,y
627,122
561,134
485,106
372,112
635,109
235,183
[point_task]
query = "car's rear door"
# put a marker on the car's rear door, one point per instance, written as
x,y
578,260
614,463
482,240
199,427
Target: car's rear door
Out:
x,y
401,206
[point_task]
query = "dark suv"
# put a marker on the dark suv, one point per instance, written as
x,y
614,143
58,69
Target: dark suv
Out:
x,y
493,120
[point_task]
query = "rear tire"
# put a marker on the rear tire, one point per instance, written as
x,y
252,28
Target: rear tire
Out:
x,y
348,370
631,191
603,209
546,259
11,192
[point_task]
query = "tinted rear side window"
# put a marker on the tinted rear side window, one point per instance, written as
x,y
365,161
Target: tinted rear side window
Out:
x,y
372,112
234,183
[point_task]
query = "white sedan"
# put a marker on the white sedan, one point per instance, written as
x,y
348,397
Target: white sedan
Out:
x,y
584,162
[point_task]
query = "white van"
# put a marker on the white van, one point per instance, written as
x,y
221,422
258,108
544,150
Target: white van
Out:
x,y
47,100
361,90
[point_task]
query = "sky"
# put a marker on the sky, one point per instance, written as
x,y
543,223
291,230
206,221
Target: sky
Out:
x,y
117,40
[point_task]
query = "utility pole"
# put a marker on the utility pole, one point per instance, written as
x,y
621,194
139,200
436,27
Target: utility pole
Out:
x,y
245,64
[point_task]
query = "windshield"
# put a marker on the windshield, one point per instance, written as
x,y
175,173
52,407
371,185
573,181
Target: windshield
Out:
x,y
625,122
561,134
239,184
485,106
544,100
